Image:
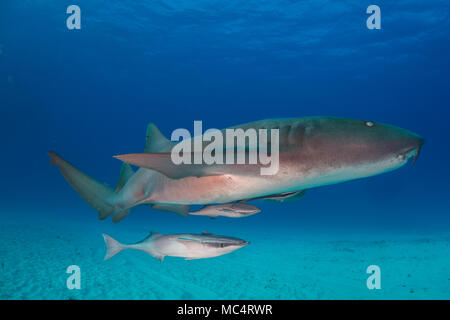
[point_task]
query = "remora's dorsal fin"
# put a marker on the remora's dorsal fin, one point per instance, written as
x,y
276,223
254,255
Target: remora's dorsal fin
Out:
x,y
155,142
153,234
180,209
125,174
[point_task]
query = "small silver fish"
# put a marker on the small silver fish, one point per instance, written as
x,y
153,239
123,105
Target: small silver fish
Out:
x,y
185,245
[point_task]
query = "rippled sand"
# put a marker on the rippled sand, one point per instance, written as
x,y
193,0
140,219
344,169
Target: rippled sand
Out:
x,y
34,256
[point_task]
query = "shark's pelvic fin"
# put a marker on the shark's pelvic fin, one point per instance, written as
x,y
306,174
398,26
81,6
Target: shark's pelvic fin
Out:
x,y
119,216
180,209
125,174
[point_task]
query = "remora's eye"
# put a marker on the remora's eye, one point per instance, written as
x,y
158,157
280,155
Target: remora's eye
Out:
x,y
370,123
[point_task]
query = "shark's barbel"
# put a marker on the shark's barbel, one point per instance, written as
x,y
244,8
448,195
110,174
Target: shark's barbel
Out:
x,y
187,245
313,151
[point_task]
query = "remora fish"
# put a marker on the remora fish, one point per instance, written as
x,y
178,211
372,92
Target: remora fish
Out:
x,y
188,246
314,151
231,210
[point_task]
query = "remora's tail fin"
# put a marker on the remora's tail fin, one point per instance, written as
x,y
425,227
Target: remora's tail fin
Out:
x,y
93,192
113,246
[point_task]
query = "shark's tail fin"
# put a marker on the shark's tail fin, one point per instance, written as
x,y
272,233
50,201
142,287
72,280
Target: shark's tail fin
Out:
x,y
113,246
97,194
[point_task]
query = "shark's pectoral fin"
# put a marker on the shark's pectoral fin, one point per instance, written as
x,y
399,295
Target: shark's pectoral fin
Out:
x,y
180,209
162,162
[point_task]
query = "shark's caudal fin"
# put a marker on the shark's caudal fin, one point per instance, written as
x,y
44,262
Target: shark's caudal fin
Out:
x,y
113,246
96,194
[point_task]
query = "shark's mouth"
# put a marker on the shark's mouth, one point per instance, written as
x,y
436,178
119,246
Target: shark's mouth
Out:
x,y
410,153
416,155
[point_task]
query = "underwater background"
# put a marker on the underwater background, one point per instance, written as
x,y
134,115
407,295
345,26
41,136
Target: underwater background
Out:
x,y
89,94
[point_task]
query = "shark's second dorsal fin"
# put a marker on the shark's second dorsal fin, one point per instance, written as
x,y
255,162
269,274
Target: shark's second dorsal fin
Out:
x,y
125,174
155,142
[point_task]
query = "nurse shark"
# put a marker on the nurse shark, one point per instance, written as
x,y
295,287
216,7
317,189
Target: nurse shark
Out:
x,y
313,152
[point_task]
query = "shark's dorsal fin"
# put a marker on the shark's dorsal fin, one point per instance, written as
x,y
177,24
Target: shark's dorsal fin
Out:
x,y
125,174
155,142
206,233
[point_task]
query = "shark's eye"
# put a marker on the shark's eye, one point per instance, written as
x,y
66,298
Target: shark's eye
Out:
x,y
370,123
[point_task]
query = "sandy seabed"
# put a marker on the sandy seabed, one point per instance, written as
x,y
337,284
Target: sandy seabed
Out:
x,y
34,256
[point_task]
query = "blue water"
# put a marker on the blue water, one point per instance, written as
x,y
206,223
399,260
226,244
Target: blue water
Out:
x,y
88,94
